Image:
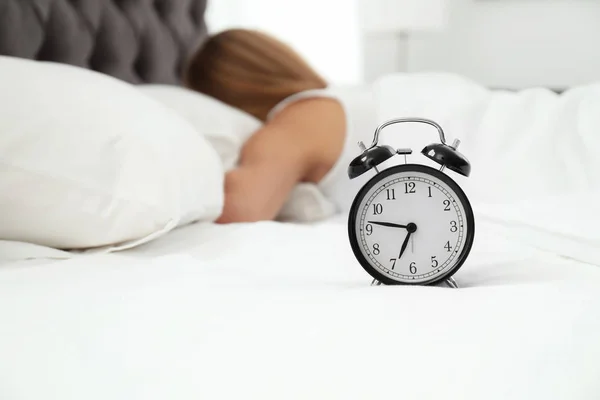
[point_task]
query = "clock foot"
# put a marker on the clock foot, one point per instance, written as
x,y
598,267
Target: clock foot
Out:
x,y
451,283
376,283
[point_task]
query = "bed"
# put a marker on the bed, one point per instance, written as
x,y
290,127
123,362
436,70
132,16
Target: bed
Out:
x,y
284,310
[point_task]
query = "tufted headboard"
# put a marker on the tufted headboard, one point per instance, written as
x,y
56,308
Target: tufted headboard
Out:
x,y
139,41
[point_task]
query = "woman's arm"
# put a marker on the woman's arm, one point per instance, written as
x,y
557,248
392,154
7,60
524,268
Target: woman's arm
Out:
x,y
300,144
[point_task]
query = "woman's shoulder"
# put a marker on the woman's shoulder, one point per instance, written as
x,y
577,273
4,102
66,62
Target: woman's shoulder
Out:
x,y
360,116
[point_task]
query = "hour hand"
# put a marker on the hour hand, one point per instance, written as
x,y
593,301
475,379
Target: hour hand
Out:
x,y
388,224
404,244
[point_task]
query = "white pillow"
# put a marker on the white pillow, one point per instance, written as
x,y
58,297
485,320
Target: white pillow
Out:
x,y
86,161
227,129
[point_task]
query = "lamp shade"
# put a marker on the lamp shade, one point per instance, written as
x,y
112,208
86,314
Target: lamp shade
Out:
x,y
403,15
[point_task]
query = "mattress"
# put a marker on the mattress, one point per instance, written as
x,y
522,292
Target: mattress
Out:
x,y
284,311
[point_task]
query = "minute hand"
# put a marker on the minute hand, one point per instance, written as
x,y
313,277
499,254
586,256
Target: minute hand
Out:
x,y
388,224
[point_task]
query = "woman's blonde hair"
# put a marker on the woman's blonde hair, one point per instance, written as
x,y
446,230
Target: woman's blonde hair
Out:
x,y
250,70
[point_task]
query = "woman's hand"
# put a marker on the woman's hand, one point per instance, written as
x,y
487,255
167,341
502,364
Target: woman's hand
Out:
x,y
300,144
254,194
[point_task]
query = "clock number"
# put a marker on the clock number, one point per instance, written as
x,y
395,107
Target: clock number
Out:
x,y
391,194
448,247
412,268
409,187
429,191
453,226
377,209
393,261
446,205
369,229
376,249
434,262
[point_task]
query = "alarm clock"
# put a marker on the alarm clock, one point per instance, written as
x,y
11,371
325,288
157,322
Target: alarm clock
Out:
x,y
411,224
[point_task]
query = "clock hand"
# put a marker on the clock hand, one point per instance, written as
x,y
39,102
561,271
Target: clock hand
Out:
x,y
403,249
411,228
388,224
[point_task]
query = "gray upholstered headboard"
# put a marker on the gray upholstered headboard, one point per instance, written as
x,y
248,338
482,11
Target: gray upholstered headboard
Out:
x,y
139,41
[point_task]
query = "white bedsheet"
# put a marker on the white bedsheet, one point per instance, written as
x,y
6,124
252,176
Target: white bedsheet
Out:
x,y
283,311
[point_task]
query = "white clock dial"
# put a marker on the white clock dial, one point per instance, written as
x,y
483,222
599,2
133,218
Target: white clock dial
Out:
x,y
412,225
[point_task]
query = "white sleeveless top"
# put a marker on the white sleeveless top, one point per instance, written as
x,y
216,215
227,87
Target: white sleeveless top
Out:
x,y
360,111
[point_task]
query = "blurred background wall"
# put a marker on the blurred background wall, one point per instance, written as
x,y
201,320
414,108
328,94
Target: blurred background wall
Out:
x,y
500,43
326,32
515,43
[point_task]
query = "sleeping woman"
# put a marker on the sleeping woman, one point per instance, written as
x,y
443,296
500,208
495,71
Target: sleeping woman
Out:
x,y
528,143
305,128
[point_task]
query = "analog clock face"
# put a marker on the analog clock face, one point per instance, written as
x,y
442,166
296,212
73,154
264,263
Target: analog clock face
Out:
x,y
411,224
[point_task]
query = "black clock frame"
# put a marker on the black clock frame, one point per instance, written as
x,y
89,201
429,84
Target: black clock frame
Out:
x,y
470,220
